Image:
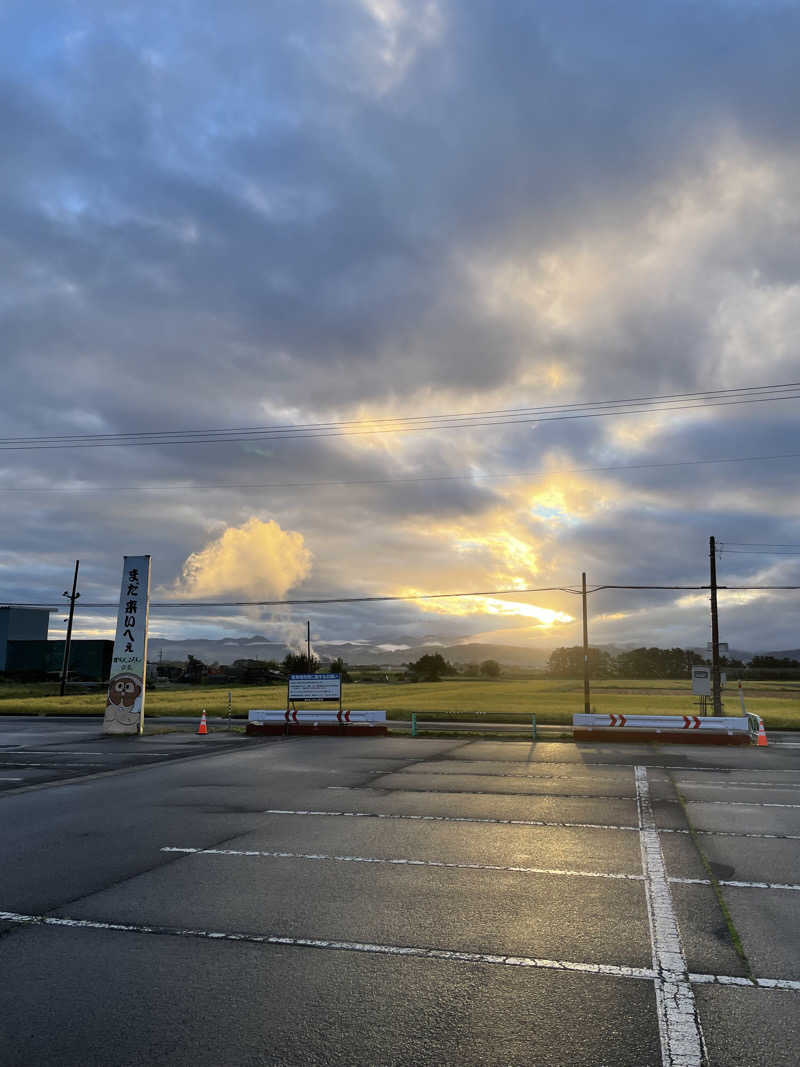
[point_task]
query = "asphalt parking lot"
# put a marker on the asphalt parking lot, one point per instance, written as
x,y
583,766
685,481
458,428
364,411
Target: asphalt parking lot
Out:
x,y
36,750
401,901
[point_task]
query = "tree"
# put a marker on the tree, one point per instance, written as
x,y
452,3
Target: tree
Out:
x,y
194,670
299,663
568,663
491,668
429,668
652,663
255,671
773,662
338,666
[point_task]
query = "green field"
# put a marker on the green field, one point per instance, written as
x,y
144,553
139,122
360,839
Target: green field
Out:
x,y
550,700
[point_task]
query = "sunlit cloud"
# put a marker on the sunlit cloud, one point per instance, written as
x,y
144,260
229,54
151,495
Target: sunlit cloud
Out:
x,y
481,605
258,559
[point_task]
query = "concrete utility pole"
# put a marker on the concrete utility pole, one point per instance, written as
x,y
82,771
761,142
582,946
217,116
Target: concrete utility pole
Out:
x,y
586,696
73,596
716,689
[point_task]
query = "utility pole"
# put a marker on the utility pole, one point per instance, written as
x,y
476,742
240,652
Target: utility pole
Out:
x,y
72,597
308,644
716,694
586,697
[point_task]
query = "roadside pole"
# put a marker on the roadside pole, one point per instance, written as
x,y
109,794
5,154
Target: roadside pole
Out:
x,y
716,693
586,694
73,596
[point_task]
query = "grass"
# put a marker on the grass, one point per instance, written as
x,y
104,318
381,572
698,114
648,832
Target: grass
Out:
x,y
506,700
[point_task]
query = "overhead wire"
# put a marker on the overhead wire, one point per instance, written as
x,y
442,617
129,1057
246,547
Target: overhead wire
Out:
x,y
575,405
320,601
472,476
526,416
315,600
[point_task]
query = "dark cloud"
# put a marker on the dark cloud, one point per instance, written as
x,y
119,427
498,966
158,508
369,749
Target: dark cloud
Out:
x,y
317,211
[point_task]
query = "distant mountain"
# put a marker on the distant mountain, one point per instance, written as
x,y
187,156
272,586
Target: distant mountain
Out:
x,y
383,651
216,650
385,654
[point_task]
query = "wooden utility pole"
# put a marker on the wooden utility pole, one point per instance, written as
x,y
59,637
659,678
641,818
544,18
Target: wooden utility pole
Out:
x,y
586,696
73,596
308,645
716,689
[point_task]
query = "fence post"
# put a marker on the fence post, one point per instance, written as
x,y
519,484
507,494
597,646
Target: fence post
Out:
x,y
533,727
413,724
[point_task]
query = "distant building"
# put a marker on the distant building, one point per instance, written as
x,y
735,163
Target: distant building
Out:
x,y
21,624
89,661
25,650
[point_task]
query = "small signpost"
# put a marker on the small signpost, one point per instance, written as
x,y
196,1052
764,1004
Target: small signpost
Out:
x,y
701,685
124,712
701,681
307,687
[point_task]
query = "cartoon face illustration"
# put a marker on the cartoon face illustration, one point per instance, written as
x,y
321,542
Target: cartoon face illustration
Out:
x,y
123,703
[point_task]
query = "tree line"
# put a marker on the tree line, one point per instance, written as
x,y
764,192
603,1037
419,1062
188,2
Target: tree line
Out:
x,y
428,668
563,663
656,663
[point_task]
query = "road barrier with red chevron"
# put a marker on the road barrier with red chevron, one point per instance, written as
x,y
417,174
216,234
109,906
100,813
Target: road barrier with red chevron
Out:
x,y
691,729
316,721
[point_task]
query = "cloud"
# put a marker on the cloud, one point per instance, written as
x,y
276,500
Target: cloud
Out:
x,y
297,213
258,560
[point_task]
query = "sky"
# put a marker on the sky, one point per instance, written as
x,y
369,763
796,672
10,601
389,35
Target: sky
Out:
x,y
270,214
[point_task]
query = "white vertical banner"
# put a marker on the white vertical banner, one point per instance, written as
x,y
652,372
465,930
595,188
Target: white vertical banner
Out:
x,y
125,700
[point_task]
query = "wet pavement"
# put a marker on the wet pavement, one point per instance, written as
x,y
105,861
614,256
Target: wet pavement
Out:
x,y
399,900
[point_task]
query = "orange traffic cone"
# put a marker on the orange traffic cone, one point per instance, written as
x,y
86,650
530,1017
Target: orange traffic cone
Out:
x,y
762,734
203,729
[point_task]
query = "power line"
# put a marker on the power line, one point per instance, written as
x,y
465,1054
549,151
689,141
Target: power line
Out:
x,y
173,604
315,600
754,544
759,548
472,476
757,552
577,405
708,393
527,416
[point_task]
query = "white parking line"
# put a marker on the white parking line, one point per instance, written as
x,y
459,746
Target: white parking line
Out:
x,y
731,833
626,766
678,1023
452,818
560,871
372,787
13,764
524,822
420,769
743,803
738,885
760,983
346,946
728,784
7,753
610,969
404,862
479,793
